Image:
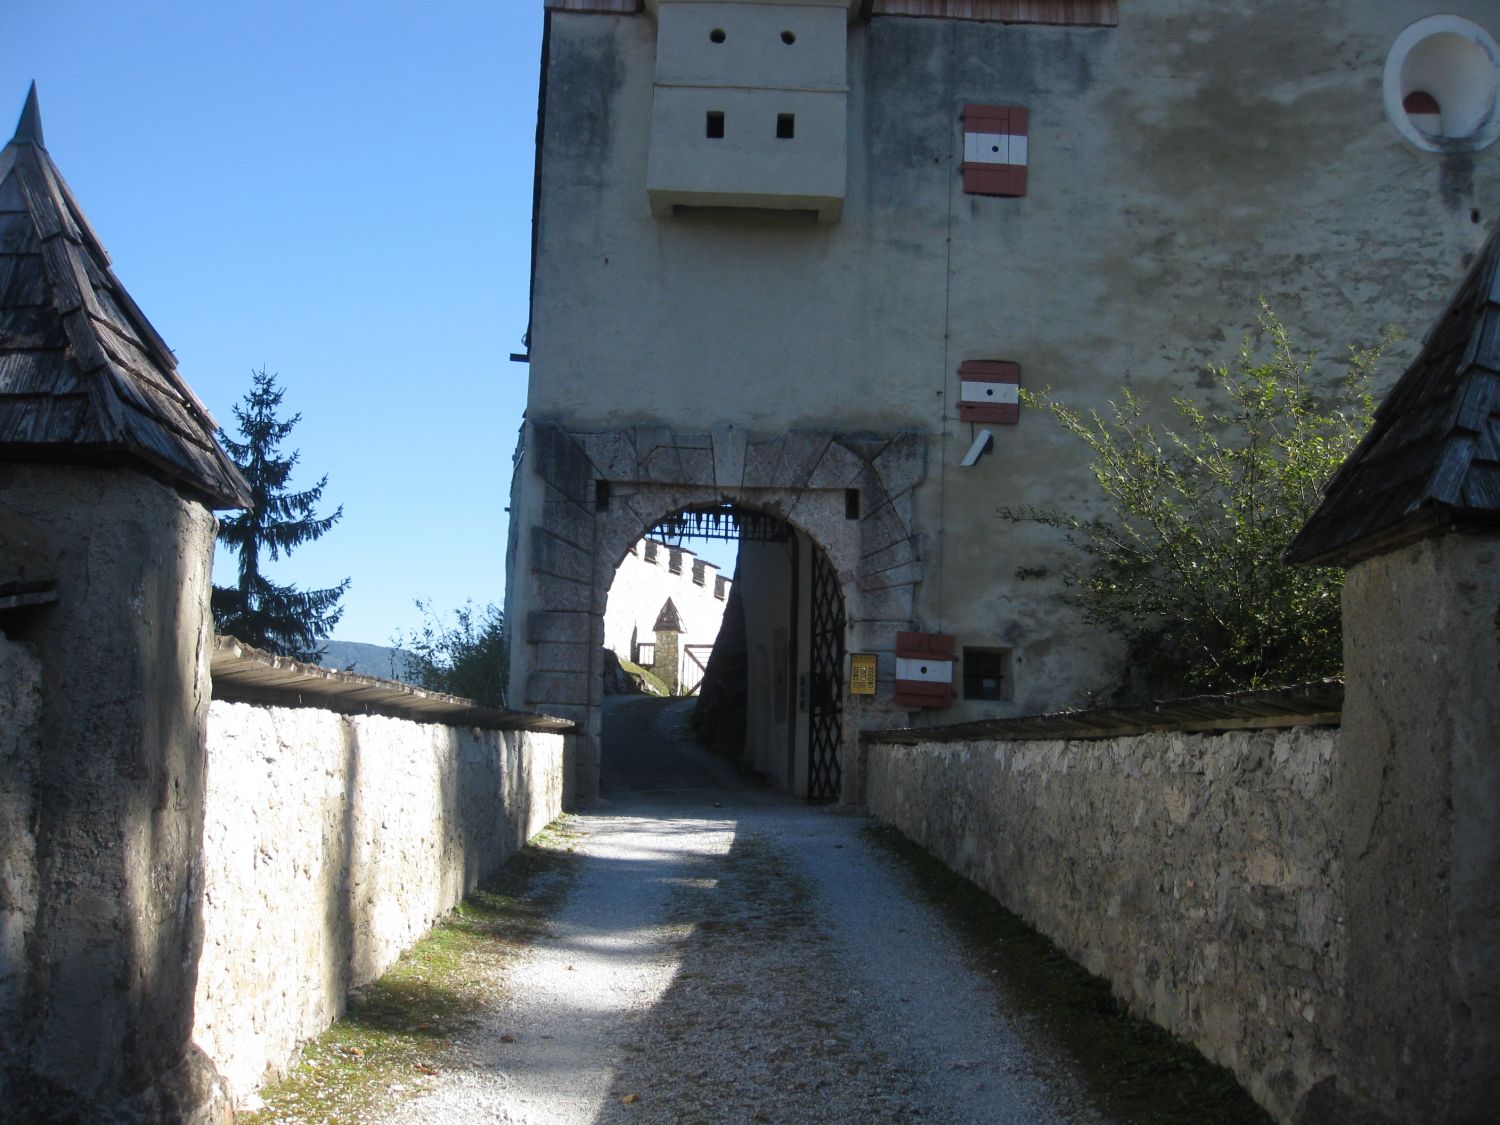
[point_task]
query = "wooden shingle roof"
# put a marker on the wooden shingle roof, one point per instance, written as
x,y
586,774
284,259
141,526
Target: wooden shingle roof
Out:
x,y
84,378
1431,460
668,620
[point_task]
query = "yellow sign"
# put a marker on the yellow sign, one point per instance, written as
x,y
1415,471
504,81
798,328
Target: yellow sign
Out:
x,y
861,673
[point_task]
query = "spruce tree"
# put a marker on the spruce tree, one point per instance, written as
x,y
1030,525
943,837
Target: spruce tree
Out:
x,y
266,614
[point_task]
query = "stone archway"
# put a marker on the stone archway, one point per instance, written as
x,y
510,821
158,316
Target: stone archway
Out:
x,y
581,500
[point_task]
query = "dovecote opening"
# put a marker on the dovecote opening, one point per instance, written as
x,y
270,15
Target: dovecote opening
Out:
x,y
780,70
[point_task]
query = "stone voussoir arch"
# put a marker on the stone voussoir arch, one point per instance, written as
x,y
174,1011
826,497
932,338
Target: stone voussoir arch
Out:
x,y
603,490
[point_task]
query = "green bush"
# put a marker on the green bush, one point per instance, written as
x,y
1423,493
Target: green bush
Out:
x,y
1186,564
467,658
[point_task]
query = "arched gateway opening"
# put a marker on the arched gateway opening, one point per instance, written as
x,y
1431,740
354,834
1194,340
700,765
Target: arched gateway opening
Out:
x,y
581,501
765,643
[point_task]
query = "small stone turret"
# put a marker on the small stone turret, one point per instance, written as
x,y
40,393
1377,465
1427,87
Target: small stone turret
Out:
x,y
1415,517
109,471
667,662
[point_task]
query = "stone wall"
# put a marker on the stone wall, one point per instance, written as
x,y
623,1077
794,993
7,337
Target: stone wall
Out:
x,y
331,844
100,1018
1199,874
20,710
1421,828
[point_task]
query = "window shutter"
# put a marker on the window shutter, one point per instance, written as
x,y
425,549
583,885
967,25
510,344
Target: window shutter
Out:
x,y
995,144
924,669
989,391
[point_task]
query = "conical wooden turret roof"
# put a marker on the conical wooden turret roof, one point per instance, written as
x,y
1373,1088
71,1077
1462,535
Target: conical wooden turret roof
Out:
x,y
84,378
668,620
1431,460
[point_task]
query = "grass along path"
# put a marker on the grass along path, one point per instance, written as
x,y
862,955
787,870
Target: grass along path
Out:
x,y
401,1033
1134,1070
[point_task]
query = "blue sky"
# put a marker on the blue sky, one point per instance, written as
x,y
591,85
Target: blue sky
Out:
x,y
340,192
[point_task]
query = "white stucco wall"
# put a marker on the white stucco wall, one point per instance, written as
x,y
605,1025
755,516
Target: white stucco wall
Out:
x,y
331,844
1182,165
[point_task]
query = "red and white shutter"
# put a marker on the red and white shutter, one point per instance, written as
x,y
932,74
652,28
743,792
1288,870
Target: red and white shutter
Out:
x,y
989,391
924,669
995,143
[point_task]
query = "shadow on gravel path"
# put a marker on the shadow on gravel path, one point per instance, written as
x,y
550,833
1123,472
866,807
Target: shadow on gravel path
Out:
x,y
724,953
779,1008
649,755
821,979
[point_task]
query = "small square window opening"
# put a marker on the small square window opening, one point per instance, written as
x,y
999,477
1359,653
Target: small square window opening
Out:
x,y
786,126
987,673
714,128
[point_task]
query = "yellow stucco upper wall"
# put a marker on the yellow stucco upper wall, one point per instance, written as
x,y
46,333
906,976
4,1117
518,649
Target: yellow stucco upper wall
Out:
x,y
1181,166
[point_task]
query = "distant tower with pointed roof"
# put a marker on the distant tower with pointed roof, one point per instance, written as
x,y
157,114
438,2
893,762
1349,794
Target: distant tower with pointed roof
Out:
x,y
667,662
109,474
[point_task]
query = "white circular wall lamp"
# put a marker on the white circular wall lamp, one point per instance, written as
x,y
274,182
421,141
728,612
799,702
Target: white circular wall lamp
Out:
x,y
1442,85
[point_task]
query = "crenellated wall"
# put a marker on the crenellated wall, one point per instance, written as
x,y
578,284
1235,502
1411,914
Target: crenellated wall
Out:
x,y
647,576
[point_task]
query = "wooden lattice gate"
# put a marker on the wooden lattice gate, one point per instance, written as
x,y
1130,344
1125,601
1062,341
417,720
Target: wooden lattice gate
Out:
x,y
826,703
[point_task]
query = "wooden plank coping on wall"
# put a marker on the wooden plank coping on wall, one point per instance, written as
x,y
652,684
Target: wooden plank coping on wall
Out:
x,y
623,7
1067,13
1071,13
1315,704
242,674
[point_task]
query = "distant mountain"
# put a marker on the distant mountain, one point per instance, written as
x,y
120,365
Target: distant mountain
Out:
x,y
366,660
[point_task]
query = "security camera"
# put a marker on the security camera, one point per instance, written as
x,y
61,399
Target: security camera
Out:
x,y
982,445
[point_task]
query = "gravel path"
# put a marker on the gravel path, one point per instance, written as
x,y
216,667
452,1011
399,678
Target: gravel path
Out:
x,y
730,955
